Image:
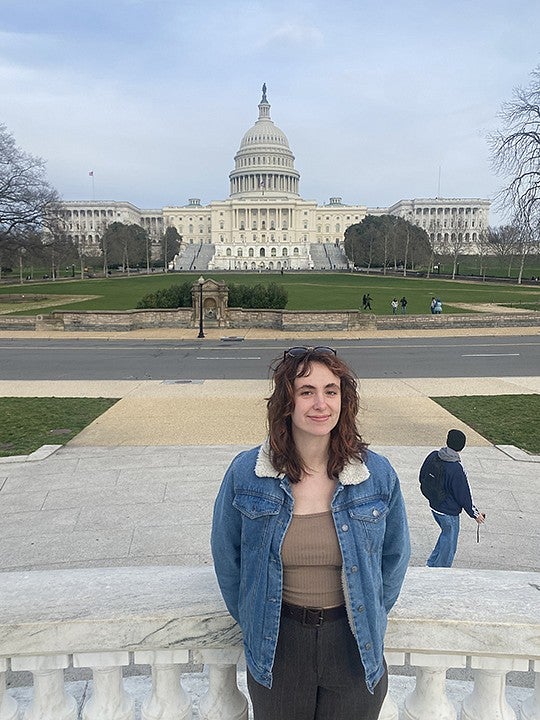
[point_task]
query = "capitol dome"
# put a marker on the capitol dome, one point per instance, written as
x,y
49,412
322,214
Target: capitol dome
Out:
x,y
264,163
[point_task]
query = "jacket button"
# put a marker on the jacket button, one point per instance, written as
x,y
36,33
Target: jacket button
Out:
x,y
354,569
360,608
376,513
345,527
368,646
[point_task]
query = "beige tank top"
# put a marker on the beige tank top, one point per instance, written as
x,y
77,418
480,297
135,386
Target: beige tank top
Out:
x,y
312,562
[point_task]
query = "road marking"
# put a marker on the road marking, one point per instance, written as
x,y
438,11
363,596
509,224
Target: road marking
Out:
x,y
493,355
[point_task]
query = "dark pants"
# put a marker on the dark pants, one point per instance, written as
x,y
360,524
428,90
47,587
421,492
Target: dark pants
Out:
x,y
317,675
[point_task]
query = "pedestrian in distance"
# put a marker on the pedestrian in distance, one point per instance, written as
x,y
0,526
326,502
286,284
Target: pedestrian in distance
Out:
x,y
403,303
444,483
437,308
432,305
364,302
310,545
394,305
368,302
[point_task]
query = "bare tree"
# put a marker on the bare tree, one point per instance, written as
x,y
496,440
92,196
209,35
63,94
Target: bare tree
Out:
x,y
525,245
483,248
454,243
434,236
503,241
516,155
26,197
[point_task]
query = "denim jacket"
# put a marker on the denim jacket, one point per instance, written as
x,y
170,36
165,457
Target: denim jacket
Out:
x,y
252,512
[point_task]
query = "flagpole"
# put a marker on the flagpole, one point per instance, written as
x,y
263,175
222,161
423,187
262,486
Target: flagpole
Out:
x,y
91,173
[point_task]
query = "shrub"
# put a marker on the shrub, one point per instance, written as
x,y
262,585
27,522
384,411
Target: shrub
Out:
x,y
271,297
172,297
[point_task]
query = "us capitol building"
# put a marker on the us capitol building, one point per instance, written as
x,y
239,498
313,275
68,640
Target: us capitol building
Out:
x,y
265,224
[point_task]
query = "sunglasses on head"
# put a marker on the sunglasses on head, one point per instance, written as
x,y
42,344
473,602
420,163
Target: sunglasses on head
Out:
x,y
301,352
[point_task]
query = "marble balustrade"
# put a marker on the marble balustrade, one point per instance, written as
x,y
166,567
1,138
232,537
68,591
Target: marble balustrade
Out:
x,y
164,617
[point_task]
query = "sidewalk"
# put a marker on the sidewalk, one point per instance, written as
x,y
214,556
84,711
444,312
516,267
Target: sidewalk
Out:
x,y
137,486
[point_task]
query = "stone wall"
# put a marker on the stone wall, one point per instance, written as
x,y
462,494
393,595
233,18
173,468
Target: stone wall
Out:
x,y
469,320
238,318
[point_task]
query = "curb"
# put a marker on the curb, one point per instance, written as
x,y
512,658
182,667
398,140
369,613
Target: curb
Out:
x,y
41,453
46,451
518,454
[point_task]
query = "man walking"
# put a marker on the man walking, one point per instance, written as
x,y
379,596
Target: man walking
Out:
x,y
444,482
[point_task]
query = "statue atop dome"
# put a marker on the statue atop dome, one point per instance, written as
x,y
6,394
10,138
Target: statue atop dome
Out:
x,y
264,98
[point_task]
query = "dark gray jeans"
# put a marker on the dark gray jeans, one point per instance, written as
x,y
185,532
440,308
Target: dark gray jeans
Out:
x,y
317,675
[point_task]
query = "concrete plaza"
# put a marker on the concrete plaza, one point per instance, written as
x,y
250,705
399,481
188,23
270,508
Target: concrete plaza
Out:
x,y
137,485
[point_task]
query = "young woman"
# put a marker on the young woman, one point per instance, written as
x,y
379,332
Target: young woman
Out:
x,y
310,546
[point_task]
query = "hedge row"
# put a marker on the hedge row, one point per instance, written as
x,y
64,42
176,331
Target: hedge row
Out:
x,y
271,296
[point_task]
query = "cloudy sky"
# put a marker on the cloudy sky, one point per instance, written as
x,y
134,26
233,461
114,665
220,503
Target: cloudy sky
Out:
x,y
380,100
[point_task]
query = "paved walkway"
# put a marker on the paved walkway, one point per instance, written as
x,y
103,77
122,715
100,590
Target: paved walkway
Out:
x,y
137,486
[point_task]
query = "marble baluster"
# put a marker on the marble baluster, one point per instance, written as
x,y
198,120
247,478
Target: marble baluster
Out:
x,y
109,699
9,709
488,700
389,710
530,710
168,699
223,700
50,700
428,700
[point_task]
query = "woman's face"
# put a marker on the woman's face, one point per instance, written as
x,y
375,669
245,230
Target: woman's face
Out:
x,y
317,402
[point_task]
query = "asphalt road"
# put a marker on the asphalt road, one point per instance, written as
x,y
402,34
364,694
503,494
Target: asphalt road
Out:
x,y
81,359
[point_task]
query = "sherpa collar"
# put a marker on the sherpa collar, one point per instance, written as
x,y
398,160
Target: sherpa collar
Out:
x,y
354,473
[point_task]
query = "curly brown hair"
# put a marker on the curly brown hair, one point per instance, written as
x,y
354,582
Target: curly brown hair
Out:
x,y
346,442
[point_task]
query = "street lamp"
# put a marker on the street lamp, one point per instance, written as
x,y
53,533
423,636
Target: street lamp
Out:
x,y
201,283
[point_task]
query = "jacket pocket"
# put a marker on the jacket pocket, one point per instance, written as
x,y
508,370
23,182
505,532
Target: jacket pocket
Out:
x,y
259,519
370,522
256,506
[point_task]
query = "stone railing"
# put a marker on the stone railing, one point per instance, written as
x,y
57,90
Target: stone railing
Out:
x,y
164,617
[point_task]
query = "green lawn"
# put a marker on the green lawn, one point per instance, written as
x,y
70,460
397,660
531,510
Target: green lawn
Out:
x,y
29,423
306,291
501,419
